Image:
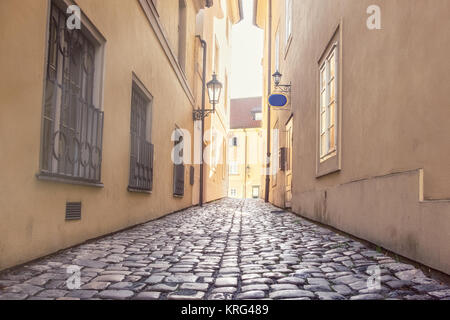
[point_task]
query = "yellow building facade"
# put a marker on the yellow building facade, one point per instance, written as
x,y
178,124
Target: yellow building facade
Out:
x,y
215,27
245,149
90,117
367,119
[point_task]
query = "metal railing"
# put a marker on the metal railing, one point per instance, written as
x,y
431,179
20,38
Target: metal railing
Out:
x,y
72,136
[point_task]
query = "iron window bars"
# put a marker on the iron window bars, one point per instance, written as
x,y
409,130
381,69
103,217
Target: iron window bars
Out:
x,y
141,157
72,124
179,167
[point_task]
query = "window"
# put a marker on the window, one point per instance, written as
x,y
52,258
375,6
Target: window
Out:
x,y
255,192
142,151
328,102
329,108
234,141
233,193
226,94
275,154
72,125
182,33
179,167
283,158
257,116
234,168
228,29
277,50
288,16
216,57
289,140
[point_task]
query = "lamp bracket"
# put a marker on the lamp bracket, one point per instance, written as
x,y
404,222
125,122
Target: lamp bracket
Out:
x,y
284,88
200,114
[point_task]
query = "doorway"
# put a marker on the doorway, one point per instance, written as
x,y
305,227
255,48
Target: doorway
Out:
x,y
289,141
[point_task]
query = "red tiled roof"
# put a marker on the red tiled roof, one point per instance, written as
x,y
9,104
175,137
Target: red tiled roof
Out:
x,y
241,116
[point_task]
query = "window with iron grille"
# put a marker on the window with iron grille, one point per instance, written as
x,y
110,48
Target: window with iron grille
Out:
x,y
283,158
179,167
72,126
142,151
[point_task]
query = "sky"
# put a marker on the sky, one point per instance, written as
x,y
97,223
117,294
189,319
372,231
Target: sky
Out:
x,y
247,52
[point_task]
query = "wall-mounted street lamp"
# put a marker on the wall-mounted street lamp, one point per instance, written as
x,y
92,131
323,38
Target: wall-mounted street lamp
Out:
x,y
286,88
214,90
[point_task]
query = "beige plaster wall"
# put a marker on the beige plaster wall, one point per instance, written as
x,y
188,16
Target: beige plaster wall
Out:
x,y
248,153
394,118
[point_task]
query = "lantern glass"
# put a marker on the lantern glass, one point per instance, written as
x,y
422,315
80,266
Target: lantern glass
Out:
x,y
277,78
214,90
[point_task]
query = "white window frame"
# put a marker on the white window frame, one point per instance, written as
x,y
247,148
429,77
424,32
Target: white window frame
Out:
x,y
325,113
275,149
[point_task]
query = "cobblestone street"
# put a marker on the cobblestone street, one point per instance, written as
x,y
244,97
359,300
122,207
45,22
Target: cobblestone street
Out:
x,y
230,249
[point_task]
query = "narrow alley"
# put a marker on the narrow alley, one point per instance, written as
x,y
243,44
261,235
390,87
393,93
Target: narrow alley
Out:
x,y
230,249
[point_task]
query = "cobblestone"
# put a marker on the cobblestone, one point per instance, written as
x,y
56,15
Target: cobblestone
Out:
x,y
230,249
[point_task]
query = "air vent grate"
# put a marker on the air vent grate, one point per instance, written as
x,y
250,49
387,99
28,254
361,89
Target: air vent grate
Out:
x,y
73,211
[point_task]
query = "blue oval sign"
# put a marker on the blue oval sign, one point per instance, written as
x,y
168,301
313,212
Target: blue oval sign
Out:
x,y
278,100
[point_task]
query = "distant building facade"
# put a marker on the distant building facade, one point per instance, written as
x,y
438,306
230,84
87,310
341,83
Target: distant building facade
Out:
x,y
245,148
214,26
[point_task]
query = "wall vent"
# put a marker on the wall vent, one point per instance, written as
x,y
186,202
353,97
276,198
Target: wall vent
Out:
x,y
73,211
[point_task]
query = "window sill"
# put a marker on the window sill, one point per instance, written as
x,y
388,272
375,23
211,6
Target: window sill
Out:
x,y
327,173
328,166
134,190
66,180
178,196
328,156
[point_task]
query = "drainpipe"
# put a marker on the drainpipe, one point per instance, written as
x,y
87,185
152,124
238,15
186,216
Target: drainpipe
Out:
x,y
205,48
246,164
269,92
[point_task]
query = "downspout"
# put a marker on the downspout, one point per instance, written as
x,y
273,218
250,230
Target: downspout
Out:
x,y
269,92
246,164
205,48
